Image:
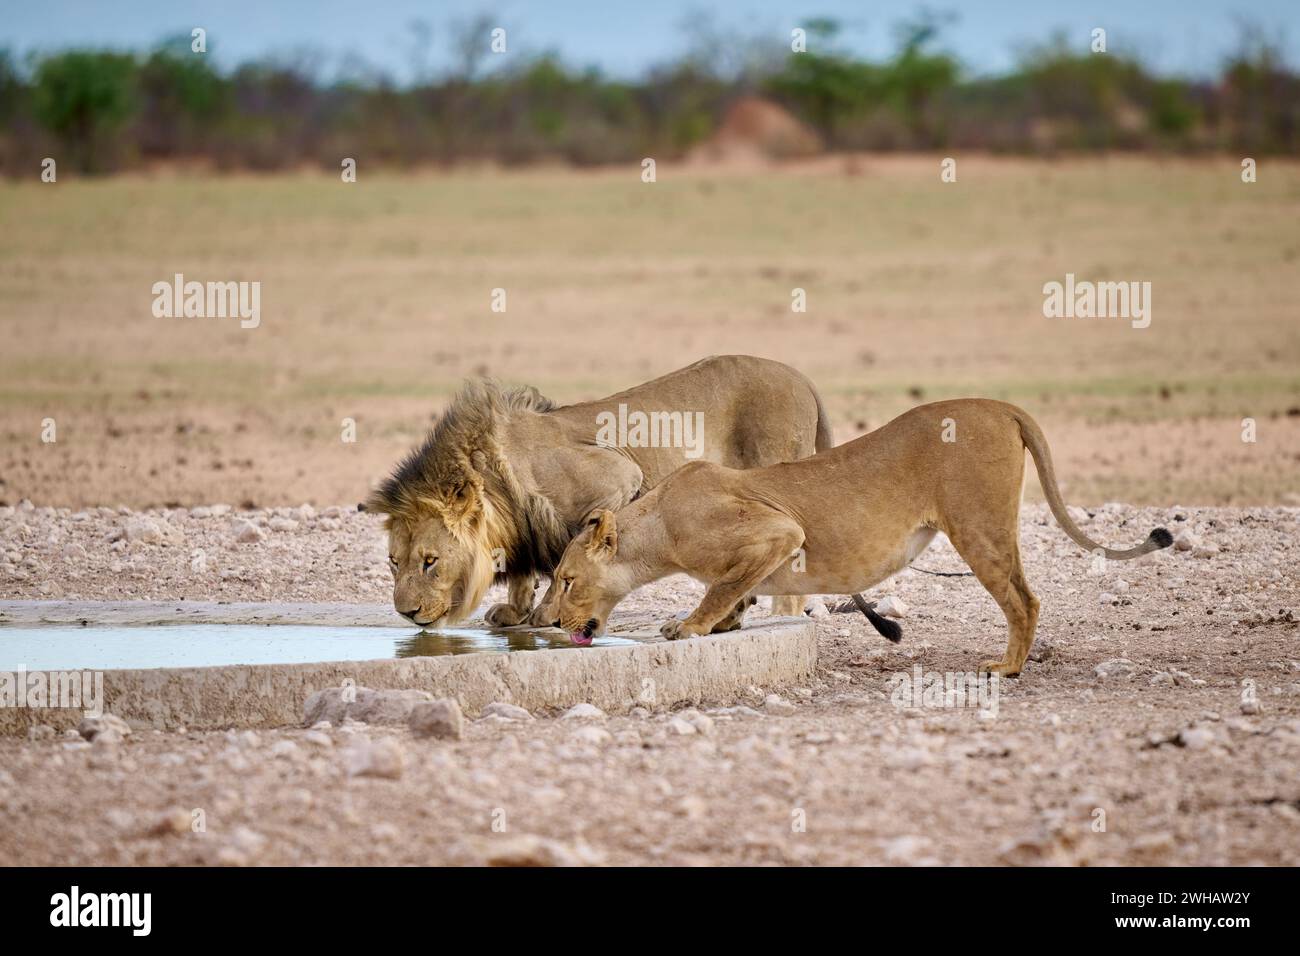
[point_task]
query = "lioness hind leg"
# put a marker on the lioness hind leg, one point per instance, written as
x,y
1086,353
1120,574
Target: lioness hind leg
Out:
x,y
788,605
994,556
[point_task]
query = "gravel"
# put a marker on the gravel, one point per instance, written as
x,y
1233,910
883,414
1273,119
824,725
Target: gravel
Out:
x,y
1140,711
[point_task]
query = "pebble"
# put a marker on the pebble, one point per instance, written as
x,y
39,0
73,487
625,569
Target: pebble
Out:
x,y
532,850
1115,667
92,727
437,718
891,606
591,734
337,704
383,758
144,530
1196,738
777,705
681,727
247,533
583,712
506,711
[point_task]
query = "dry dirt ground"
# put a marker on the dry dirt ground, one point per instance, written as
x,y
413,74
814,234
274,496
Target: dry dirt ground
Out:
x,y
376,305
1158,723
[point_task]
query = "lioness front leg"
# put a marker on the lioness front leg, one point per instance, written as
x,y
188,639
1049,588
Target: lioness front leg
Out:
x,y
753,562
519,603
736,618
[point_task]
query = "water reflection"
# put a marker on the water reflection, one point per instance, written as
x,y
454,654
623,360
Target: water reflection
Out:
x,y
457,640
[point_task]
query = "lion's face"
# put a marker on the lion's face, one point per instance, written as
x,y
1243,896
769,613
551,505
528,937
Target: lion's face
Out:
x,y
587,585
438,577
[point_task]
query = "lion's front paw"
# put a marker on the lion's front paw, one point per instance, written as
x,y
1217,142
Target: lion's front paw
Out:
x,y
504,615
538,618
676,630
1001,668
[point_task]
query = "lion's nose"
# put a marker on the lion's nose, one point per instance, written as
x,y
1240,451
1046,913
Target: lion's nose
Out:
x,y
555,623
410,614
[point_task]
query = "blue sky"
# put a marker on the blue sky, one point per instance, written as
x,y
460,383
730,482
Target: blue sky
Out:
x,y
625,38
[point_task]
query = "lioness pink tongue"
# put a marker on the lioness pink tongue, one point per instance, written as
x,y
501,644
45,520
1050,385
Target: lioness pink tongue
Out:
x,y
579,638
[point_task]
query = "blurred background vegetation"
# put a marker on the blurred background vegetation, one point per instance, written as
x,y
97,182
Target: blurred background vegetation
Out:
x,y
101,111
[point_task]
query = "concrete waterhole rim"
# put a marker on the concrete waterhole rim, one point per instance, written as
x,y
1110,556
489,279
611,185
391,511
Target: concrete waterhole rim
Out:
x,y
659,674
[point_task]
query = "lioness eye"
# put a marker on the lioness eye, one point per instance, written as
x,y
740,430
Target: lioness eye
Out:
x,y
568,583
429,562
392,560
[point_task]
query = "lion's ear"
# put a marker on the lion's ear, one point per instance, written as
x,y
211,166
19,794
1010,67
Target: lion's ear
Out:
x,y
604,534
463,508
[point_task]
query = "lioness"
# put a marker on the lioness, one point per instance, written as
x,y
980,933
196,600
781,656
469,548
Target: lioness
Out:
x,y
860,512
505,478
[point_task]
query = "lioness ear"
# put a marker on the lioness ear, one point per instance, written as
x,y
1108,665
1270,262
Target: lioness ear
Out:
x,y
604,533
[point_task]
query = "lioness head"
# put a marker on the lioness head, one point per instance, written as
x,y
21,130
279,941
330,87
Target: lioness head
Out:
x,y
587,583
439,555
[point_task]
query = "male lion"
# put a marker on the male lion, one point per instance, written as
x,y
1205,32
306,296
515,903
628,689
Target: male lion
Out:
x,y
860,512
505,478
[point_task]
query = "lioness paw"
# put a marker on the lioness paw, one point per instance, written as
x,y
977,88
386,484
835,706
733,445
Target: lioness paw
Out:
x,y
1001,668
676,630
503,615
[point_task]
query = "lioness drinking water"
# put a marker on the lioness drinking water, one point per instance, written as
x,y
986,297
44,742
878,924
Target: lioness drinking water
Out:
x,y
838,522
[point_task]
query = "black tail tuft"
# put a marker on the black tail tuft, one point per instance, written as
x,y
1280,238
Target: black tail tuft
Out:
x,y
889,629
1162,537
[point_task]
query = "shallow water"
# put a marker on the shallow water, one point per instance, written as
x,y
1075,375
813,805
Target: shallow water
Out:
x,y
211,645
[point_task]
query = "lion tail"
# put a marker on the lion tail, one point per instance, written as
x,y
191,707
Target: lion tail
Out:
x,y
1036,442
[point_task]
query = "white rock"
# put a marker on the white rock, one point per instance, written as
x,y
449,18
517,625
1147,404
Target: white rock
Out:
x,y
92,727
144,530
681,727
283,524
1106,598
506,711
1186,540
339,704
1115,667
382,758
591,734
285,748
247,533
891,606
583,712
1197,738
437,718
777,705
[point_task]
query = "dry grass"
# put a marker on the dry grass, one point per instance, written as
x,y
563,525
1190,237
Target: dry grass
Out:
x,y
375,304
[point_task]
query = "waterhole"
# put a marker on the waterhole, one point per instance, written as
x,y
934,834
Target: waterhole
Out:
x,y
213,645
